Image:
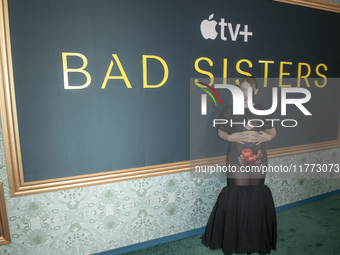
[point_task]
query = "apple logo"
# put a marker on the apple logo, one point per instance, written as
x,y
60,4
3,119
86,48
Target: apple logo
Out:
x,y
208,28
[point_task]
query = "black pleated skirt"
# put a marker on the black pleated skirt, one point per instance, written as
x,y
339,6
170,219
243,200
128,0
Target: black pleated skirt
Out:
x,y
243,220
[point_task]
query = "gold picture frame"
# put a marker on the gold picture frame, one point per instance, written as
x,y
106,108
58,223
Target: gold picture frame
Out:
x,y
316,4
18,187
5,237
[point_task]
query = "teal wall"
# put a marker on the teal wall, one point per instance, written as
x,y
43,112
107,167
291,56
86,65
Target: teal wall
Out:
x,y
98,218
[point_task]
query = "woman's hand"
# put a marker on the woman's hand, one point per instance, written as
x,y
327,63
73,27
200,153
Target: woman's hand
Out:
x,y
265,136
236,137
247,137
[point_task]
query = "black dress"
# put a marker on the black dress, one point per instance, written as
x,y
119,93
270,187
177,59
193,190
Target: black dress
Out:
x,y
243,219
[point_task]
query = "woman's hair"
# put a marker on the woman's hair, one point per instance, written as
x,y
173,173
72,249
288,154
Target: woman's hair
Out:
x,y
252,82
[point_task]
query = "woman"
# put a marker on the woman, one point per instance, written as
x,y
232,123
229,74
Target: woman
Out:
x,y
243,219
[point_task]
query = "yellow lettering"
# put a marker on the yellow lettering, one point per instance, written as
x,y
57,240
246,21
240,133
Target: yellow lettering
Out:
x,y
120,67
145,79
321,75
282,73
265,76
67,70
210,75
238,69
304,76
225,66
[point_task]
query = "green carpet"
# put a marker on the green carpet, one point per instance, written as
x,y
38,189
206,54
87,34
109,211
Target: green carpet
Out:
x,y
313,228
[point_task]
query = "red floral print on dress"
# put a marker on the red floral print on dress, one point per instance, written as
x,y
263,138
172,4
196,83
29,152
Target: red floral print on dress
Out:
x,y
248,158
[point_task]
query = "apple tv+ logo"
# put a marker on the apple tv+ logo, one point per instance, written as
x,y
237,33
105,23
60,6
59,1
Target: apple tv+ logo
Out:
x,y
208,30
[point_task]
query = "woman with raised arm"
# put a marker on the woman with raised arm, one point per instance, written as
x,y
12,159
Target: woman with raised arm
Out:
x,y
243,219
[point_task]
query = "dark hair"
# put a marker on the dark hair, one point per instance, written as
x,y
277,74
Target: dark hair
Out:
x,y
252,82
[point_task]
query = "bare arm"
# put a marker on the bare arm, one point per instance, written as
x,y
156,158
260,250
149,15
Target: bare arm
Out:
x,y
223,135
271,132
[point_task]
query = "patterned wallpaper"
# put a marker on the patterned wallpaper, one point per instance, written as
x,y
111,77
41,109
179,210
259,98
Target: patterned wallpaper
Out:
x,y
98,218
334,1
